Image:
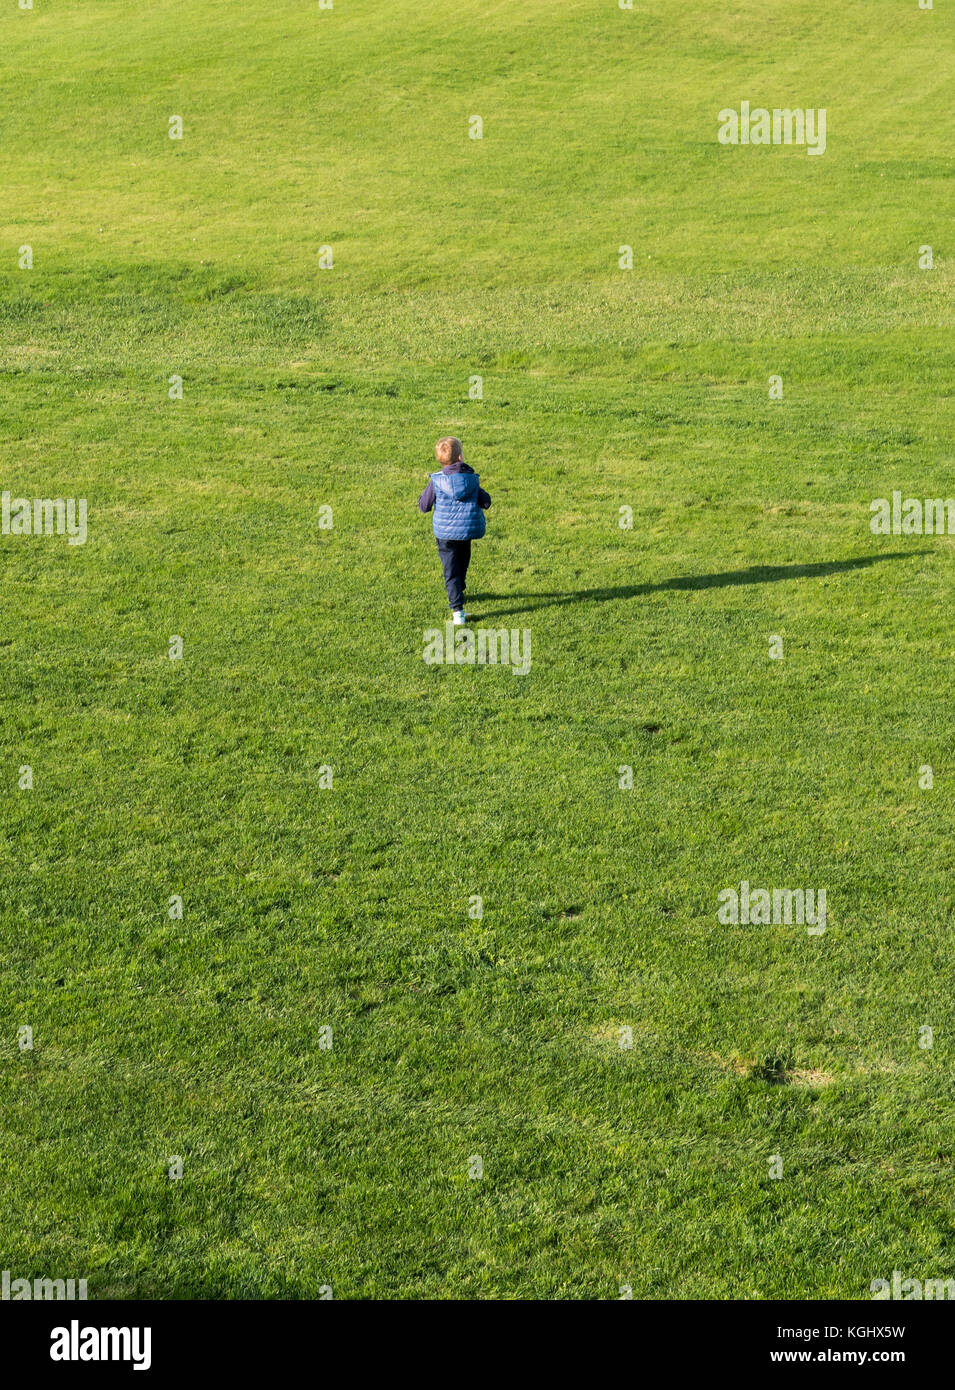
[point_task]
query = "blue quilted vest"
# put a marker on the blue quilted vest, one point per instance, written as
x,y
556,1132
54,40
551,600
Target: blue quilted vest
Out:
x,y
457,516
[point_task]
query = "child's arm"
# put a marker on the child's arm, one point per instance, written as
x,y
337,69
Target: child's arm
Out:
x,y
426,500
484,499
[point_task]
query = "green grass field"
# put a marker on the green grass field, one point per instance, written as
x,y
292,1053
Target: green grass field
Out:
x,y
307,907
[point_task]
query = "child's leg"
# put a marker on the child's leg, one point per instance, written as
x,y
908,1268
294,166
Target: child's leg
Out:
x,y
465,553
453,582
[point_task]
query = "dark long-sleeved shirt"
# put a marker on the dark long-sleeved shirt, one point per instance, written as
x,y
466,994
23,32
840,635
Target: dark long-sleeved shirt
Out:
x,y
426,500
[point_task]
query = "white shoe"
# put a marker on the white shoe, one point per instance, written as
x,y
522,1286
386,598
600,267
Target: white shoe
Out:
x,y
459,617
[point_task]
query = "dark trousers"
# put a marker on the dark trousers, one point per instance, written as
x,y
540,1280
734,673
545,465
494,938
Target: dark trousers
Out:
x,y
455,558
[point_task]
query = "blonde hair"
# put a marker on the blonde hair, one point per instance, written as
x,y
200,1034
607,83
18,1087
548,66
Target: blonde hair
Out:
x,y
448,449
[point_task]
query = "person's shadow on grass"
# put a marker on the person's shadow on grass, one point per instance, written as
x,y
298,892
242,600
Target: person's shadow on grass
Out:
x,y
756,574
